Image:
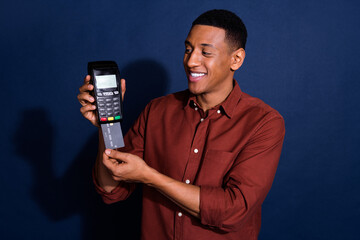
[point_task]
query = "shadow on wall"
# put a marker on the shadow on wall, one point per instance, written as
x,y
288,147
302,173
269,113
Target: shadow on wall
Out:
x,y
145,80
74,193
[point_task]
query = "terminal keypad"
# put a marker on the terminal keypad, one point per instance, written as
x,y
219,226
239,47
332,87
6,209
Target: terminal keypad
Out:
x,y
108,106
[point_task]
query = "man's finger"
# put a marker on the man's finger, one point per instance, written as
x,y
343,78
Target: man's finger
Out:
x,y
85,98
123,88
87,79
116,155
87,108
86,87
112,165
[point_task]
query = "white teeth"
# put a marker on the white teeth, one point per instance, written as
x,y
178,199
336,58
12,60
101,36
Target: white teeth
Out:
x,y
197,74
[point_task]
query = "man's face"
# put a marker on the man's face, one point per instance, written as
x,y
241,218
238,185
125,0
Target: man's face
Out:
x,y
207,60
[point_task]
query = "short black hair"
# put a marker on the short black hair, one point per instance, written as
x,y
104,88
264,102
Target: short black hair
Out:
x,y
235,30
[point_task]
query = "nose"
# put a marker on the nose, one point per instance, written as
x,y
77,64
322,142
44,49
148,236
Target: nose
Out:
x,y
192,59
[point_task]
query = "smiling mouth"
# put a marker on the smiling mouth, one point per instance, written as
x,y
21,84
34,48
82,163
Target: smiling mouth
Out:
x,y
194,77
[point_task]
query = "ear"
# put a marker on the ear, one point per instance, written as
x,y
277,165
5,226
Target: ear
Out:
x,y
237,59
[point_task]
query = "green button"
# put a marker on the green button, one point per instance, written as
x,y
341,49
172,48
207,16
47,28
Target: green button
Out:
x,y
117,117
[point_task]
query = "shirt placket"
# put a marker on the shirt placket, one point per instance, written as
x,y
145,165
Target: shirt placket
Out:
x,y
192,166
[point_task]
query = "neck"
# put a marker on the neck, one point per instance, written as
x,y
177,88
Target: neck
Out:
x,y
212,99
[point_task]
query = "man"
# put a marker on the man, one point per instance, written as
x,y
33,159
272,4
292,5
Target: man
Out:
x,y
206,156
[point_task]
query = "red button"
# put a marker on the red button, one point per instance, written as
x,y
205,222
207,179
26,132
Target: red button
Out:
x,y
103,119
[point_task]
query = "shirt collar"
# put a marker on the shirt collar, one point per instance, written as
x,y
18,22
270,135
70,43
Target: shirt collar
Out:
x,y
228,106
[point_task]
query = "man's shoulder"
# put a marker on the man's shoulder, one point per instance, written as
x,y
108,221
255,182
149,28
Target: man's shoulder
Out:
x,y
256,106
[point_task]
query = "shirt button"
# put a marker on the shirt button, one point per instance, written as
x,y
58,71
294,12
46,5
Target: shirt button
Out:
x,y
196,150
218,111
179,214
201,119
187,181
196,109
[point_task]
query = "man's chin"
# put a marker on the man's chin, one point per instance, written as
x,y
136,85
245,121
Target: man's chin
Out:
x,y
195,91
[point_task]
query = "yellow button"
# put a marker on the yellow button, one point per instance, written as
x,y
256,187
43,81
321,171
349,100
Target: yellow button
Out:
x,y
110,118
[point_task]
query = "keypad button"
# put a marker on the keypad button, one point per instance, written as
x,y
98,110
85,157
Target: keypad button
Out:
x,y
108,99
108,93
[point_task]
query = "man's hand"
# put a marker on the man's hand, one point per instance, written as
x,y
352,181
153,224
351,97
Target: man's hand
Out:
x,y
126,167
130,168
88,102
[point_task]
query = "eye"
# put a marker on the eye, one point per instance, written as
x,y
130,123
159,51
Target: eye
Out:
x,y
206,53
187,50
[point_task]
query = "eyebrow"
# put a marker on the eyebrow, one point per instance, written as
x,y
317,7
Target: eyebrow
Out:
x,y
208,45
202,44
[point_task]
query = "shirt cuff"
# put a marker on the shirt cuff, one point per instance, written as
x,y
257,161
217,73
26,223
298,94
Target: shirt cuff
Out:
x,y
211,206
121,192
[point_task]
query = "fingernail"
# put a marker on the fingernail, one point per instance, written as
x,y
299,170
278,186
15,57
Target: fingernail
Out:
x,y
108,151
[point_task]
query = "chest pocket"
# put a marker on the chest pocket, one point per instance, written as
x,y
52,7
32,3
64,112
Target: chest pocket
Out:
x,y
214,167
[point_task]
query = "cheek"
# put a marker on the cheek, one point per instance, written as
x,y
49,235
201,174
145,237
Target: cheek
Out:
x,y
213,67
185,60
220,66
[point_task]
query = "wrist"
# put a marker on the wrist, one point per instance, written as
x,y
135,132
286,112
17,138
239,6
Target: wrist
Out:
x,y
150,176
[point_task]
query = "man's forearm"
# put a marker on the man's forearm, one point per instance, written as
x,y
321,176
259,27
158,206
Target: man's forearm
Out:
x,y
134,169
184,195
102,175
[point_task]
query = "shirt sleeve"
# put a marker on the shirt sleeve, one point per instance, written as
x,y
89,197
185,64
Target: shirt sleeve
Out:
x,y
134,144
248,181
121,192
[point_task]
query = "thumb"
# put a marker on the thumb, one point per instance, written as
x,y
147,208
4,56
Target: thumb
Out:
x,y
123,88
116,154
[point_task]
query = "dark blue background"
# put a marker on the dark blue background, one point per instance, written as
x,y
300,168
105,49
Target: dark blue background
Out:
x,y
302,59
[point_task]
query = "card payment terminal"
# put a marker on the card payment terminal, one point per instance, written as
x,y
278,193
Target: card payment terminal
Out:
x,y
105,77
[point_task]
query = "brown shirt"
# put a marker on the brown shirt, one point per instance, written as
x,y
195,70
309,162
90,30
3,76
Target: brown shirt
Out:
x,y
232,154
